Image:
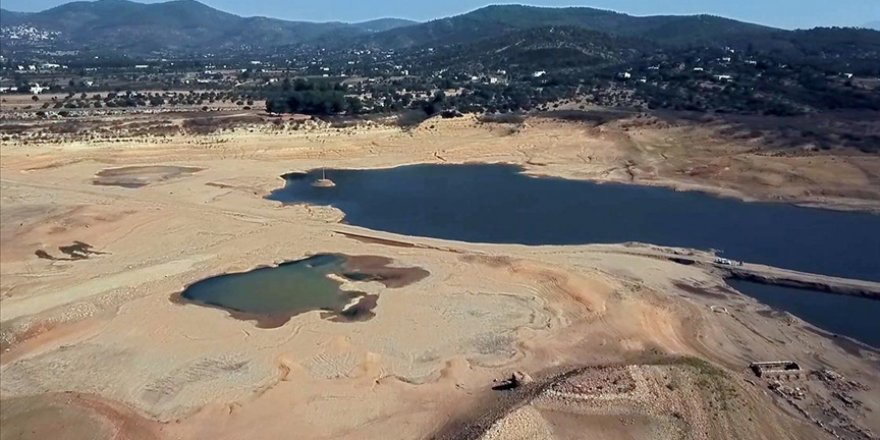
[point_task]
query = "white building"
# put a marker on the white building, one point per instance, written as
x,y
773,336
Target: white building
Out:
x,y
36,89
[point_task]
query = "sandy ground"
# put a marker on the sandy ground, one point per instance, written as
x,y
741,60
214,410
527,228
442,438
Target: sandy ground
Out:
x,y
92,343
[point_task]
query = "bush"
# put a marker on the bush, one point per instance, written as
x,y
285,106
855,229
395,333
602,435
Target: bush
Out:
x,y
411,118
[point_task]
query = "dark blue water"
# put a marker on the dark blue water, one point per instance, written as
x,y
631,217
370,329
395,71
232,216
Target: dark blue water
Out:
x,y
858,318
498,204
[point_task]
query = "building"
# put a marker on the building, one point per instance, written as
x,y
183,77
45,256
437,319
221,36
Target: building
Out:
x,y
36,89
778,370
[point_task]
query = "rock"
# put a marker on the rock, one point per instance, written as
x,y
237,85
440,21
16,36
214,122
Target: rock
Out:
x,y
323,183
520,378
516,380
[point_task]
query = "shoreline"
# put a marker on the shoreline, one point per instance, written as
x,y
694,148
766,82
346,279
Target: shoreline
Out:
x,y
852,205
614,153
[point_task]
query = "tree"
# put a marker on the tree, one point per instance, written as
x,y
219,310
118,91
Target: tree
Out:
x,y
355,105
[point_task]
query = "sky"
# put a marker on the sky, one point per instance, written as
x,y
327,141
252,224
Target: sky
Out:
x,y
780,13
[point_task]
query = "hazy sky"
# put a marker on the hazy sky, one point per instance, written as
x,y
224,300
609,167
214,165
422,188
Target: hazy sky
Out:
x,y
780,13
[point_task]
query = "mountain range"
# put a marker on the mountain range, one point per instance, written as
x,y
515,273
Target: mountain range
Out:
x,y
187,26
493,21
179,25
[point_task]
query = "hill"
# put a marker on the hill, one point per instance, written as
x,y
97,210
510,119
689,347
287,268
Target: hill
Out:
x,y
186,27
549,47
170,27
6,14
384,24
493,21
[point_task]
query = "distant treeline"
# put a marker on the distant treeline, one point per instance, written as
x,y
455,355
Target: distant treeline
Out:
x,y
312,98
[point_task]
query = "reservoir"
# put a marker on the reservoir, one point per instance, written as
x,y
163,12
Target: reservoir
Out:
x,y
499,204
846,315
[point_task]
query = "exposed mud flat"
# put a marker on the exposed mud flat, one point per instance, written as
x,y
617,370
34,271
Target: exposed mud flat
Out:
x,y
72,416
140,176
373,268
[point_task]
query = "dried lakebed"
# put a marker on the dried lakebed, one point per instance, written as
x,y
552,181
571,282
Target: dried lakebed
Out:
x,y
139,176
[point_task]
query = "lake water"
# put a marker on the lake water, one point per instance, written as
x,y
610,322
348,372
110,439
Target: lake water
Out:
x,y
858,318
498,204
271,295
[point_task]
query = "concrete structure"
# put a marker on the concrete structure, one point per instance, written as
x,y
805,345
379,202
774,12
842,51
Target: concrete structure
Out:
x,y
779,370
789,278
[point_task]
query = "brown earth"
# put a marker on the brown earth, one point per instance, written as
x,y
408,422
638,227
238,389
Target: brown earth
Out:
x,y
94,344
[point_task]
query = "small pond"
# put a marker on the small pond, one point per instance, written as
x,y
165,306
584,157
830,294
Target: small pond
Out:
x,y
272,295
